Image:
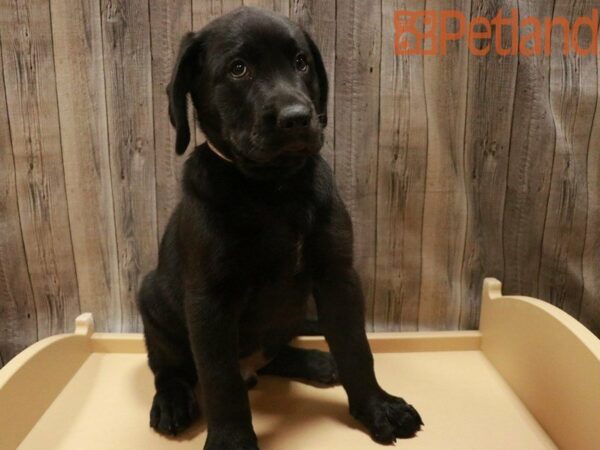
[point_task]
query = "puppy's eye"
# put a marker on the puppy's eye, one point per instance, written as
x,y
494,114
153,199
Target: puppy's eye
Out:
x,y
238,69
301,63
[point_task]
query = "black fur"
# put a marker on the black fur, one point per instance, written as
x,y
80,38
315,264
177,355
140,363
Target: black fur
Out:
x,y
252,239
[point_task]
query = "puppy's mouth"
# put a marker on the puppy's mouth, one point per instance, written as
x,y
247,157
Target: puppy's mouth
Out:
x,y
275,162
281,159
296,149
277,152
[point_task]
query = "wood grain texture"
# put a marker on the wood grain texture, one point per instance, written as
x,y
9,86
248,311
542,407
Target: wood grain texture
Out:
x,y
573,95
28,65
318,19
280,6
205,11
445,212
169,22
128,75
79,69
491,82
590,303
529,167
453,167
401,172
18,326
357,72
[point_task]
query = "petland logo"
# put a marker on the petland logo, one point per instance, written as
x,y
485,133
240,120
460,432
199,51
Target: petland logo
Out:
x,y
429,32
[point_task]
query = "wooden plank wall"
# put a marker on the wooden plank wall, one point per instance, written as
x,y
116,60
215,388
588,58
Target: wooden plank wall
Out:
x,y
453,167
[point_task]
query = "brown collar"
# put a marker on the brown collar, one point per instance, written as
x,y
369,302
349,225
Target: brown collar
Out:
x,y
217,152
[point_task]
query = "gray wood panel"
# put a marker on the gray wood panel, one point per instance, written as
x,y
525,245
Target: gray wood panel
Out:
x,y
572,104
531,153
30,89
453,167
490,102
279,6
590,302
128,81
81,100
445,211
401,172
18,326
356,90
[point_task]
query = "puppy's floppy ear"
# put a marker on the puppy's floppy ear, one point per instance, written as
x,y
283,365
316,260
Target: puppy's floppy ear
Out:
x,y
321,78
180,85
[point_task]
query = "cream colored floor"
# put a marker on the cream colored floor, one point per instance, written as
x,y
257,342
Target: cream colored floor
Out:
x,y
464,403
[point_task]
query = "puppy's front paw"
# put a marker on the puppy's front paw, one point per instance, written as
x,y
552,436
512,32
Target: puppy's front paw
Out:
x,y
174,408
229,439
387,418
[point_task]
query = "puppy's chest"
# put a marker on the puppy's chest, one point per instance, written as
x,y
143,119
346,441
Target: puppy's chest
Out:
x,y
281,237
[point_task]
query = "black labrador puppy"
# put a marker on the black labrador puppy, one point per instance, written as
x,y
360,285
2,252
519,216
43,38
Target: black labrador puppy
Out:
x,y
260,228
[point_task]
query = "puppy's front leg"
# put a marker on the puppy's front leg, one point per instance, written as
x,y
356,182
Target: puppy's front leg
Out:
x,y
341,314
213,330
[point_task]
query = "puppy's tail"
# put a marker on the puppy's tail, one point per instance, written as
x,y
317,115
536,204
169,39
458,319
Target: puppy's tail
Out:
x,y
311,327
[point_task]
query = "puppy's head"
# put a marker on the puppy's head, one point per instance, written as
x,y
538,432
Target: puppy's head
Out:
x,y
259,87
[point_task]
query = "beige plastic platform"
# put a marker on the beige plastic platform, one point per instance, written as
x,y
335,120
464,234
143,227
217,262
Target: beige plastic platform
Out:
x,y
529,379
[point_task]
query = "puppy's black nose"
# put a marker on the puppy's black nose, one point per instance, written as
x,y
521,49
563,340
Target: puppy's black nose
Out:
x,y
294,117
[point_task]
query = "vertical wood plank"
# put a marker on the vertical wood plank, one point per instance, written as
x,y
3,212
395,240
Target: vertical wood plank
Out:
x,y
18,327
401,174
357,72
453,168
169,22
206,11
529,167
573,94
492,81
445,211
590,304
128,80
79,68
280,6
318,19
30,83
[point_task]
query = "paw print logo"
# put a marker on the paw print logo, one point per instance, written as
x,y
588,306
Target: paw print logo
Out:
x,y
415,32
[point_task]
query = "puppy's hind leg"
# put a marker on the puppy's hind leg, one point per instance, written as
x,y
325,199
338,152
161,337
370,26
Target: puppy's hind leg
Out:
x,y
175,406
312,366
